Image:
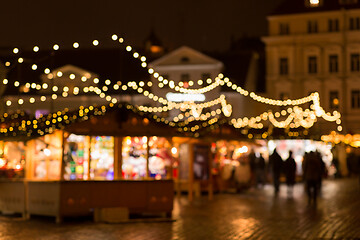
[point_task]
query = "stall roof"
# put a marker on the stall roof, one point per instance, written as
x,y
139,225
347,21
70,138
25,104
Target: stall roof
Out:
x,y
120,119
123,120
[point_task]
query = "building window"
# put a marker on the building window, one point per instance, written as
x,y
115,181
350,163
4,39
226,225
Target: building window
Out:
x,y
185,77
355,62
205,76
334,100
165,76
333,63
348,2
354,23
312,64
355,99
284,96
333,25
284,29
184,80
185,60
284,66
312,26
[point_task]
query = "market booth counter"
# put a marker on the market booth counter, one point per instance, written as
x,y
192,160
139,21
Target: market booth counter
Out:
x,y
81,198
85,168
12,197
12,187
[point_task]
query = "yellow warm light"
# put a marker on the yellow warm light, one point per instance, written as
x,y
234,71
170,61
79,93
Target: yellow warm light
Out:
x,y
114,37
95,42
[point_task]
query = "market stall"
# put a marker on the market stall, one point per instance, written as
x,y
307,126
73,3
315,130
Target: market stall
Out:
x,y
93,155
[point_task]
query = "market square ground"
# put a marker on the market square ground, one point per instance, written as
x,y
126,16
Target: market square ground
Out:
x,y
254,214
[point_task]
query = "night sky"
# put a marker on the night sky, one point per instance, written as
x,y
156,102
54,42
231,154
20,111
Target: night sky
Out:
x,y
206,25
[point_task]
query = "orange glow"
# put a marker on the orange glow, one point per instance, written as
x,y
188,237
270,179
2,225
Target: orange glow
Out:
x,y
155,49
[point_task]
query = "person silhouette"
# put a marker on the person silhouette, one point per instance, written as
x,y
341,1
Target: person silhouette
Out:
x,y
312,172
276,164
290,173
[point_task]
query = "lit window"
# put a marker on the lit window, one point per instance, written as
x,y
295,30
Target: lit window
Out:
x,y
334,100
156,49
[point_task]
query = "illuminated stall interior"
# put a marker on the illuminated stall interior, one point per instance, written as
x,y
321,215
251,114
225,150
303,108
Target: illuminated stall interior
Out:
x,y
12,159
120,144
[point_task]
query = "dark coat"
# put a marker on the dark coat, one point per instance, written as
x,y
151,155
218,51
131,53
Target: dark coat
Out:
x,y
276,163
312,167
290,170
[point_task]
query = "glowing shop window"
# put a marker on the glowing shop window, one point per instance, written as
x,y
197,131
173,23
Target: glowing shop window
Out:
x,y
102,158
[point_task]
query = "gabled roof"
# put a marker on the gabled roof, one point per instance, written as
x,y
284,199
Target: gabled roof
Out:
x,y
185,56
300,6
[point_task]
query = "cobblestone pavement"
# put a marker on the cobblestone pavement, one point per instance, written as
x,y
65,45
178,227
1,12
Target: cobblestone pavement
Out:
x,y
254,214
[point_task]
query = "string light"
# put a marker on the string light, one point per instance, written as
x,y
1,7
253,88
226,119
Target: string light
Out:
x,y
296,116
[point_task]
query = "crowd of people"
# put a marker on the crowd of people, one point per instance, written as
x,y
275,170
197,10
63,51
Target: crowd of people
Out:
x,y
313,169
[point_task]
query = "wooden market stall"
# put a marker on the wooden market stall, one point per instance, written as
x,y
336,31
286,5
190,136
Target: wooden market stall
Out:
x,y
81,168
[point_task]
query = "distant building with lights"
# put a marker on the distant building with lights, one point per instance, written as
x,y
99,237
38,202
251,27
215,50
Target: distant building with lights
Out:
x,y
314,45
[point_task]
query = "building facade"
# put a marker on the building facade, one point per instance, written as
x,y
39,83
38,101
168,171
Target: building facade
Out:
x,y
314,46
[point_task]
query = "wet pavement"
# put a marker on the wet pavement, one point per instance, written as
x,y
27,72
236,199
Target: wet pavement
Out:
x,y
252,214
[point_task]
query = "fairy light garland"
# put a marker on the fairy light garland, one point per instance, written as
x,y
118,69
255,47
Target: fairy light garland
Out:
x,y
218,80
295,119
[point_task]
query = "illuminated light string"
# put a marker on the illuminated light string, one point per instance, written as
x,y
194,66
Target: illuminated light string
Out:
x,y
218,80
76,45
194,109
185,128
296,118
51,122
76,90
333,137
239,123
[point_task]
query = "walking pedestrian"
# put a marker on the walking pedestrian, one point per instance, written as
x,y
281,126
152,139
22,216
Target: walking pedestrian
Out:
x,y
312,172
260,170
252,159
290,173
276,164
